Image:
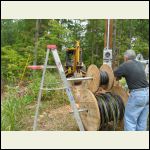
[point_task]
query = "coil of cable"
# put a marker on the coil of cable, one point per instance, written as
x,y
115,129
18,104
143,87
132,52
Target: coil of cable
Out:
x,y
104,78
111,108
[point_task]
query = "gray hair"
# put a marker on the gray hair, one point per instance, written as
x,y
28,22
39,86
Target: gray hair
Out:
x,y
130,54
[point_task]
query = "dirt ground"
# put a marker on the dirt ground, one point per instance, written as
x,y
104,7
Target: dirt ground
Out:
x,y
56,120
53,120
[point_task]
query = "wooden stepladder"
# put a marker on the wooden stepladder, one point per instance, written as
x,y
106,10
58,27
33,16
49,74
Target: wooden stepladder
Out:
x,y
53,49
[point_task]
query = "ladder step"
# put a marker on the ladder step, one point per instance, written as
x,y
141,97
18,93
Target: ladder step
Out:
x,y
55,83
40,67
80,110
51,67
51,89
77,79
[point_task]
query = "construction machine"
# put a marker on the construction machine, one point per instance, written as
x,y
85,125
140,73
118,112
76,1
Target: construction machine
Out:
x,y
74,65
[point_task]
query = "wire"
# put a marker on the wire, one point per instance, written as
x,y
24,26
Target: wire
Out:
x,y
101,109
104,78
111,108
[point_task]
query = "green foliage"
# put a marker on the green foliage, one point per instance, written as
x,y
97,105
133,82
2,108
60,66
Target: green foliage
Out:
x,y
55,34
94,42
123,82
140,46
13,64
16,99
18,38
10,63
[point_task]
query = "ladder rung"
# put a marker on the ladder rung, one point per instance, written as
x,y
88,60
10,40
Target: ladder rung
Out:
x,y
40,67
51,67
55,83
77,79
46,89
80,110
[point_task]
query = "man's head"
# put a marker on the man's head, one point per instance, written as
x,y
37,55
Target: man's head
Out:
x,y
129,55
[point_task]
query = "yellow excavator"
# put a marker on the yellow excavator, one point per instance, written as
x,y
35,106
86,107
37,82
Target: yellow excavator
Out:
x,y
74,65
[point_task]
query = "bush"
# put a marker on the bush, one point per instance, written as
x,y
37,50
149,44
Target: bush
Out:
x,y
16,99
13,64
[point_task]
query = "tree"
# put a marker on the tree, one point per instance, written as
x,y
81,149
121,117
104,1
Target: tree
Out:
x,y
36,41
21,38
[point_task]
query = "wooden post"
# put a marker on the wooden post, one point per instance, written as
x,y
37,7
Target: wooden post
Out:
x,y
110,33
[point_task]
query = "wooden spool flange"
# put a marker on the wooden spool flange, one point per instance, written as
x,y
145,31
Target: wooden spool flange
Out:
x,y
117,89
110,73
93,71
90,118
77,92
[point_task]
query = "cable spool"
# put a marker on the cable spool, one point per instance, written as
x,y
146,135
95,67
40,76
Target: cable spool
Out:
x,y
101,109
101,78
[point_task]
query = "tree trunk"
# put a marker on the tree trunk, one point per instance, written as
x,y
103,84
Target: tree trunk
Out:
x,y
130,34
36,42
120,39
97,49
111,34
97,39
114,35
92,29
115,53
92,51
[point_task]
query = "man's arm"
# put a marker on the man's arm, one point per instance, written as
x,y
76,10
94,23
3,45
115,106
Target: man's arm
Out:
x,y
119,72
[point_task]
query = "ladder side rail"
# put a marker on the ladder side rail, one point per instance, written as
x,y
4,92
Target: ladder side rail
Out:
x,y
40,92
68,89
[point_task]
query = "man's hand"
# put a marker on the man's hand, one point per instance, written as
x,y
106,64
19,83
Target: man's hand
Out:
x,y
117,78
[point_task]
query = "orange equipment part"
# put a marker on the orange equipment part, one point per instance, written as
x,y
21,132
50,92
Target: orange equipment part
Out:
x,y
51,46
39,67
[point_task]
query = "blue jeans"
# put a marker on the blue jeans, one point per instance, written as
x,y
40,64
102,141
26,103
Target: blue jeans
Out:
x,y
136,110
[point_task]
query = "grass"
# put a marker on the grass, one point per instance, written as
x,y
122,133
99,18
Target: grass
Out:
x,y
12,110
124,84
17,101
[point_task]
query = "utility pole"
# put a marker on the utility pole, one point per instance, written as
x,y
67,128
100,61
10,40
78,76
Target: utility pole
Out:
x,y
115,49
108,33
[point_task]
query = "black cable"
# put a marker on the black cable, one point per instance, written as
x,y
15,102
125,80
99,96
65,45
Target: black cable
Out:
x,y
104,78
105,110
107,105
101,112
111,108
121,104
